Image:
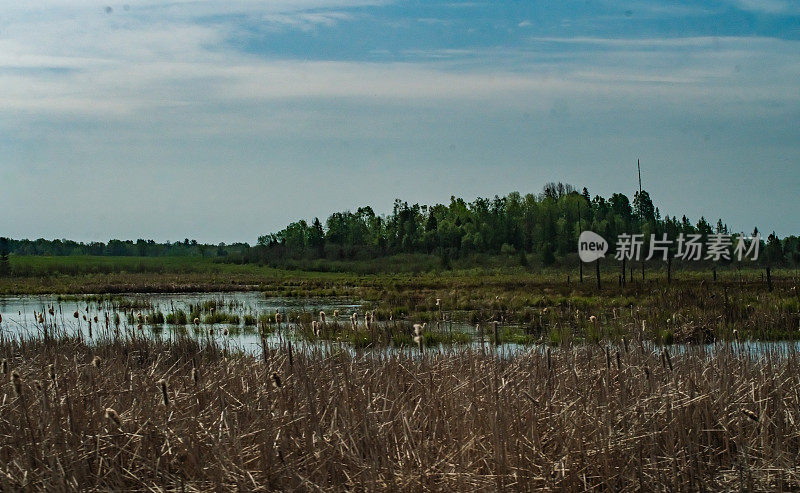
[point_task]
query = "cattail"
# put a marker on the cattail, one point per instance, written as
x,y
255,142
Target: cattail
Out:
x,y
1,318
276,379
96,361
112,416
41,318
750,414
139,317
76,315
211,331
647,372
322,317
608,358
196,321
195,376
16,381
225,331
51,311
5,366
549,362
619,363
84,318
335,313
164,396
625,343
96,319
51,370
278,317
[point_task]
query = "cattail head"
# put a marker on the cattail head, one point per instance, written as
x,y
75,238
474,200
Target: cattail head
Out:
x,y
335,313
162,385
139,317
112,416
1,319
276,379
196,321
16,381
41,318
76,315
51,311
195,375
225,331
211,331
5,366
96,361
322,317
51,372
96,319
750,414
84,318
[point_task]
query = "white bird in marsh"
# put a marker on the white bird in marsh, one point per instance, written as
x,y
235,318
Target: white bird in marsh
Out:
x,y
418,329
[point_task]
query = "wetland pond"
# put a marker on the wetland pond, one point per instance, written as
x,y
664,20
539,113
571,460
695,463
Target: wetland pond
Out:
x,y
235,319
242,320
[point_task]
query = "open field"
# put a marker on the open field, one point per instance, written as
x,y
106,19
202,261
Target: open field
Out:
x,y
583,418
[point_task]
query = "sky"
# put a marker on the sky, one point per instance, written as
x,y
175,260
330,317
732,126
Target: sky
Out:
x,y
225,120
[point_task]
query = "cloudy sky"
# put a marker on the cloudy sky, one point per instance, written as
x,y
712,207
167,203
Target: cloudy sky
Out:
x,y
225,120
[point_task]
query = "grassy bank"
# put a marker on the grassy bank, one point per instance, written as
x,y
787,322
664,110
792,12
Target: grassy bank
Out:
x,y
616,419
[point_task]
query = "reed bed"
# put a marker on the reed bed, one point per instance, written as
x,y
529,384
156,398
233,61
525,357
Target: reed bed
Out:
x,y
146,414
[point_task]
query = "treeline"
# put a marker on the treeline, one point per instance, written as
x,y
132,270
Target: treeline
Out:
x,y
119,248
546,224
542,226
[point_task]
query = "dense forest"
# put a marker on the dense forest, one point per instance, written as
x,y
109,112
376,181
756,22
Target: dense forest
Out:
x,y
545,225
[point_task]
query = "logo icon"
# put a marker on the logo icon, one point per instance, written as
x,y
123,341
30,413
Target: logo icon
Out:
x,y
591,246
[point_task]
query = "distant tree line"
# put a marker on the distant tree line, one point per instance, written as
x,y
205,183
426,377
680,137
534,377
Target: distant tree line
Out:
x,y
138,248
546,225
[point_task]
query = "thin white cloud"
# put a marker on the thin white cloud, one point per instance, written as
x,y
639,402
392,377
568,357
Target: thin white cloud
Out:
x,y
769,6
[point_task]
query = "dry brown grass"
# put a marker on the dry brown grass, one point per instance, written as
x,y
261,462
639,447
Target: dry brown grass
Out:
x,y
456,420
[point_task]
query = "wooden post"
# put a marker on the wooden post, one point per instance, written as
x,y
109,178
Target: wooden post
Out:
x,y
669,269
597,271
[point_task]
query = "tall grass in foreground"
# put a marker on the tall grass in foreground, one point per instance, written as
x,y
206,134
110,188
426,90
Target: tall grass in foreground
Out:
x,y
182,414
